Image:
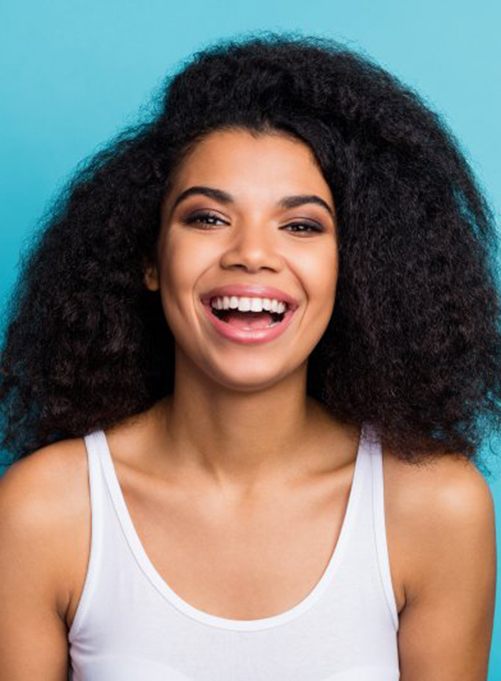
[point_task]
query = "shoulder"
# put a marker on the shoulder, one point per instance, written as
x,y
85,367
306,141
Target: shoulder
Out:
x,y
41,503
37,484
441,521
33,479
438,511
447,480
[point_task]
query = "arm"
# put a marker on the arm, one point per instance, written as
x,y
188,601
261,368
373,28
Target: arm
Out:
x,y
33,638
446,626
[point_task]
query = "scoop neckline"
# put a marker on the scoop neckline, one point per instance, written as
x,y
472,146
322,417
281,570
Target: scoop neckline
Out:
x,y
150,571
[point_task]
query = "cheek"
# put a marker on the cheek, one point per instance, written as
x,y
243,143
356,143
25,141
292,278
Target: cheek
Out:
x,y
183,263
319,273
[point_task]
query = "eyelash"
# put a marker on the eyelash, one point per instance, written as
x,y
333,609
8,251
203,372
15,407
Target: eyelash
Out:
x,y
205,216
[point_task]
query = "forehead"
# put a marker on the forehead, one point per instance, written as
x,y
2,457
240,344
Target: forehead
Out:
x,y
240,158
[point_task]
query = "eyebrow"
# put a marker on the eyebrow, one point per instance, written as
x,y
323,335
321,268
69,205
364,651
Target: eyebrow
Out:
x,y
224,197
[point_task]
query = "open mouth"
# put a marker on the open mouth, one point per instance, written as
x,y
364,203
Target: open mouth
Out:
x,y
250,326
249,320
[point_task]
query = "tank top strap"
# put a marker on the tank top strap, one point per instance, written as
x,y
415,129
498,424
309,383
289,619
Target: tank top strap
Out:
x,y
97,505
375,452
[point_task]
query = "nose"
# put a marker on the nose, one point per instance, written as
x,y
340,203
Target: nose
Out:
x,y
253,248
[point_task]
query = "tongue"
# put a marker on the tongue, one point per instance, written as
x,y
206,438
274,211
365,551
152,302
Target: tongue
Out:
x,y
248,320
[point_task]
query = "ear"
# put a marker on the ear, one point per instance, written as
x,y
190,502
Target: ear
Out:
x,y
151,279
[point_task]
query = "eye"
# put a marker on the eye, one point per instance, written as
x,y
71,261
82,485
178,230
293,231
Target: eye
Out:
x,y
310,227
202,218
207,218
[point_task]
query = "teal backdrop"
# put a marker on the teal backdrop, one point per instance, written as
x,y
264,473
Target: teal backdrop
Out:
x,y
75,72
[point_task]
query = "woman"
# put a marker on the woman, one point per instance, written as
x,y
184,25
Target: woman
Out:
x,y
249,358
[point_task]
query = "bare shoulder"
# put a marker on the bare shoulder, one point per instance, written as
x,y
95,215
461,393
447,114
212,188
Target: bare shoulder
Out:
x,y
41,482
441,528
449,480
42,500
40,497
447,495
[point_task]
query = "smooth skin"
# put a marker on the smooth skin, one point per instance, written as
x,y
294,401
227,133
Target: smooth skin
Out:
x,y
239,456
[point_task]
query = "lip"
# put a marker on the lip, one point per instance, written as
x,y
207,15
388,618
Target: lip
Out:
x,y
251,291
252,336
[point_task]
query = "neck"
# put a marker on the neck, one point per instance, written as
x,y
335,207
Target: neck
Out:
x,y
242,439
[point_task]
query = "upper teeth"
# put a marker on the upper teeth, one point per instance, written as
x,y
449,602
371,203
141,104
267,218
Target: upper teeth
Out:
x,y
248,304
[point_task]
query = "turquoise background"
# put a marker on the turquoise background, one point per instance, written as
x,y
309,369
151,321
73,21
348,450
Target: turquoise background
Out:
x,y
76,72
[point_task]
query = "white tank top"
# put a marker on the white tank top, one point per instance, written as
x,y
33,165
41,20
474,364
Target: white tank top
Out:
x,y
131,626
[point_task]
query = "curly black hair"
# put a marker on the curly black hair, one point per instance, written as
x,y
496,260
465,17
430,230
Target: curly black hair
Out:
x,y
414,342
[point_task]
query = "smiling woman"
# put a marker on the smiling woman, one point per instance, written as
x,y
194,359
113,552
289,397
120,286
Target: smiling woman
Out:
x,y
247,370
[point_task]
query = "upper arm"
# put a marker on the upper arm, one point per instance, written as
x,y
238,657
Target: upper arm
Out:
x,y
33,638
446,626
